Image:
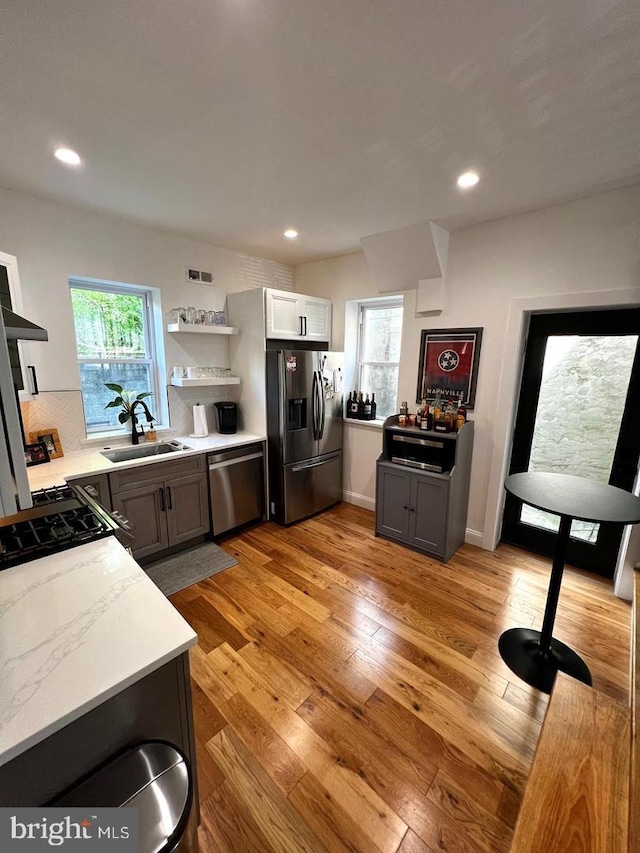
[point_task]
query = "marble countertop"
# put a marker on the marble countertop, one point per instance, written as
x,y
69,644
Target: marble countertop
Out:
x,y
75,629
90,461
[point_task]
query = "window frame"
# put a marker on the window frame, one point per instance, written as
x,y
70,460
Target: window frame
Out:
x,y
365,305
152,359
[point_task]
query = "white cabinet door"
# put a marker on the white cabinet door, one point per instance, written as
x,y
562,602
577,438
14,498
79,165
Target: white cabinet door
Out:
x,y
316,319
292,316
283,314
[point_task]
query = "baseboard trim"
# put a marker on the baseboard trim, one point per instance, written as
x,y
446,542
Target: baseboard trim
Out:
x,y
359,500
474,537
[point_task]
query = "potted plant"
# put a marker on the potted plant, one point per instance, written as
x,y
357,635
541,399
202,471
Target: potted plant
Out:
x,y
128,404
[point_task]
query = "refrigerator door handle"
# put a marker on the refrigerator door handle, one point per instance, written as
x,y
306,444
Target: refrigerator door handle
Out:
x,y
321,405
314,406
301,326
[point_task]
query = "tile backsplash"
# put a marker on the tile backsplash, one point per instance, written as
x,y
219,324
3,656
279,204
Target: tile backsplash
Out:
x,y
62,410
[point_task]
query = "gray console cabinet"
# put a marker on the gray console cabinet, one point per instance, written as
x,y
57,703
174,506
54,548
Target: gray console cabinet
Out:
x,y
423,509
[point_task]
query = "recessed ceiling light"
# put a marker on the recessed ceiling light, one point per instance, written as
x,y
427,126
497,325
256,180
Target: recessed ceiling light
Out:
x,y
291,233
468,179
66,155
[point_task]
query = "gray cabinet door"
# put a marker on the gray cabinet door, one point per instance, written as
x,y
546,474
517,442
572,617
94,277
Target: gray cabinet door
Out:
x,y
428,513
98,488
393,501
146,510
187,503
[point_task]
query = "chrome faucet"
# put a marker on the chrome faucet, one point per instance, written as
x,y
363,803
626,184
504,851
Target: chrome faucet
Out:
x,y
135,435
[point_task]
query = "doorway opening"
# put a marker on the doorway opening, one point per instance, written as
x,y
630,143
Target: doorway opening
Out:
x,y
578,413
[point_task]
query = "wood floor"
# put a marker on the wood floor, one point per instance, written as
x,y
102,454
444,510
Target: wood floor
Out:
x,y
348,692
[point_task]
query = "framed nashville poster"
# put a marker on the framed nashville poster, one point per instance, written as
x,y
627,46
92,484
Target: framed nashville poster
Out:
x,y
449,363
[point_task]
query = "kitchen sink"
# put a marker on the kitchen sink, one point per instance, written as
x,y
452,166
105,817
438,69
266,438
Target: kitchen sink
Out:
x,y
126,454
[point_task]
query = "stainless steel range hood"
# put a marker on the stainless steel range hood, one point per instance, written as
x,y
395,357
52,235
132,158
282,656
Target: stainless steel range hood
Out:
x,y
19,329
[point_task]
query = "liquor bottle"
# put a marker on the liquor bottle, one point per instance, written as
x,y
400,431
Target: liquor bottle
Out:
x,y
354,405
450,415
348,406
437,405
373,406
426,419
461,416
404,408
367,409
360,406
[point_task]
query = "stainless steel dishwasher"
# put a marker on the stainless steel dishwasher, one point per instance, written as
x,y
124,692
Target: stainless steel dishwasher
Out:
x,y
236,487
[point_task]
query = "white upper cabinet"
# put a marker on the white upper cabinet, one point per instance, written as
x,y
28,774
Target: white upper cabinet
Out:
x,y
292,316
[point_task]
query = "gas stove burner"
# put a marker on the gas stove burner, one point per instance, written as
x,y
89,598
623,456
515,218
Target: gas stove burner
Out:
x,y
55,493
61,517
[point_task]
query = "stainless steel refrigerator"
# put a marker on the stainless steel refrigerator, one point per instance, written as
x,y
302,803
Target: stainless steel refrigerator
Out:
x,y
304,425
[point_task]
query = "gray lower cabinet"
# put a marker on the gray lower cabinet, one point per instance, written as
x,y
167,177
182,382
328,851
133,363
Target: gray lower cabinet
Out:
x,y
97,486
411,507
166,502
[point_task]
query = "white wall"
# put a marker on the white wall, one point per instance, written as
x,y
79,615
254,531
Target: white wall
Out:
x,y
54,242
586,247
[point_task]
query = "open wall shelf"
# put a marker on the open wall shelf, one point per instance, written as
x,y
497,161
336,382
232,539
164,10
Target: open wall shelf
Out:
x,y
197,329
199,383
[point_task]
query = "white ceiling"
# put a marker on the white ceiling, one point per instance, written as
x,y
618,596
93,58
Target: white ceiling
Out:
x,y
231,120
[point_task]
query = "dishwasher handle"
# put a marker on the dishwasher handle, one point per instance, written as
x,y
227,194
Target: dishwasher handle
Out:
x,y
236,460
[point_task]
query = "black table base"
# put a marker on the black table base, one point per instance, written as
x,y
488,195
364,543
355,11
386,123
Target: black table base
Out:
x,y
521,651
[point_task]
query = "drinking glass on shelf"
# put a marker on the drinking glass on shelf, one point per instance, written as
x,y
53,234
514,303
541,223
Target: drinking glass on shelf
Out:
x,y
201,316
177,372
182,314
191,315
211,318
174,315
221,318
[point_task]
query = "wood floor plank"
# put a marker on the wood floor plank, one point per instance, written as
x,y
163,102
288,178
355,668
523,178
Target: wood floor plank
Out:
x,y
256,604
227,827
335,828
261,800
335,676
389,773
210,625
487,831
277,674
263,743
349,693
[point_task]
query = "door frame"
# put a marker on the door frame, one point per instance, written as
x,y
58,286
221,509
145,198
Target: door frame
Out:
x,y
506,401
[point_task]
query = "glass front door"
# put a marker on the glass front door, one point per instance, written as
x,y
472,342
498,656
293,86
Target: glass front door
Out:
x,y
576,415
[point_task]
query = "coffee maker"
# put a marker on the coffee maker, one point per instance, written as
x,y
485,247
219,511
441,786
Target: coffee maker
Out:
x,y
226,417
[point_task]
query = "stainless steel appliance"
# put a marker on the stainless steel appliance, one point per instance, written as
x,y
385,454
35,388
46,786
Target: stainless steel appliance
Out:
x,y
14,484
61,517
236,487
304,424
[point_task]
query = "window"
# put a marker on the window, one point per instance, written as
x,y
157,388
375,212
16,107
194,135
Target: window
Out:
x,y
115,344
378,357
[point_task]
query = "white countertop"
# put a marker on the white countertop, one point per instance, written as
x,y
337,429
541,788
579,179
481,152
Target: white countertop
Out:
x,y
75,629
82,463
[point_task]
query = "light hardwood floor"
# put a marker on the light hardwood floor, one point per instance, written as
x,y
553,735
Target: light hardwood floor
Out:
x,y
349,695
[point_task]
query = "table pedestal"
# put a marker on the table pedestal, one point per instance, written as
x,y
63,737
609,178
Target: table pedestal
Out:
x,y
536,656
520,649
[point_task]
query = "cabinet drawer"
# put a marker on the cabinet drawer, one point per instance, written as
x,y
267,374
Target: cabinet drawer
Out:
x,y
134,478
